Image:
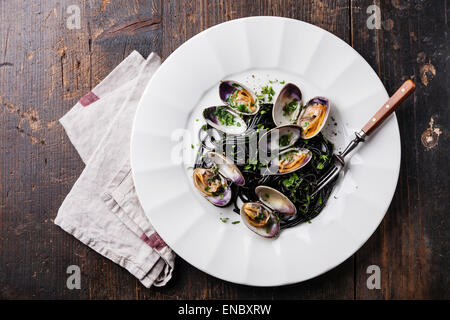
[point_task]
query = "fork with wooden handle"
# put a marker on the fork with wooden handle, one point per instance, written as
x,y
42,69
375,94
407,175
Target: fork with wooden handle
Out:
x,y
397,98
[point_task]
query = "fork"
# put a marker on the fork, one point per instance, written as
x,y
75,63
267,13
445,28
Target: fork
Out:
x,y
393,102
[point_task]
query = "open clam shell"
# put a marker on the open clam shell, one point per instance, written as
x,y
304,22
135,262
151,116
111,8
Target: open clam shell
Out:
x,y
314,116
238,97
224,120
287,105
288,161
227,168
212,186
260,220
280,138
275,200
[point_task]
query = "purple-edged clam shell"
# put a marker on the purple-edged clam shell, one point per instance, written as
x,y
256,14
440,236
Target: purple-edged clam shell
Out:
x,y
287,94
227,168
314,101
272,231
273,167
211,118
227,89
275,200
287,135
221,201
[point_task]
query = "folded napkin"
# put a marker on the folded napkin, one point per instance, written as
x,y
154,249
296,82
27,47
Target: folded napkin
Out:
x,y
102,209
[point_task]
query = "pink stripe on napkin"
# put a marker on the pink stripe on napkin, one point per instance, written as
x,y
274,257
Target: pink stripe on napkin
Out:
x,y
154,241
88,98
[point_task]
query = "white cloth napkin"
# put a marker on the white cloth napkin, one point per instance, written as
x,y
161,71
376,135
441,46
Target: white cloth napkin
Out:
x,y
102,209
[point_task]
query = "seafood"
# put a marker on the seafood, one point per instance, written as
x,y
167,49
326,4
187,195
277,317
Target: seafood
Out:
x,y
280,151
288,109
238,97
224,120
288,161
280,138
287,105
262,217
313,117
212,186
214,183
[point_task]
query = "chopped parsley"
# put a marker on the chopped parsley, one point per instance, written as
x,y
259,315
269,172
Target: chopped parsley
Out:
x,y
285,139
292,181
290,107
224,117
236,222
269,92
254,165
224,220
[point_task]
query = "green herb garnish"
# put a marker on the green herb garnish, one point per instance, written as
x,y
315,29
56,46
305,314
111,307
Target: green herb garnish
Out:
x,y
285,139
224,117
290,107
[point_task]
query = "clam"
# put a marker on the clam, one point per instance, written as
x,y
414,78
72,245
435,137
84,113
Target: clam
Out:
x,y
280,138
227,168
262,216
287,105
224,120
288,110
214,183
288,161
275,200
238,97
314,116
212,186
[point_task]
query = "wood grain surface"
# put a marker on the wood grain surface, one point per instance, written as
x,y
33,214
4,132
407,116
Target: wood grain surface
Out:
x,y
45,68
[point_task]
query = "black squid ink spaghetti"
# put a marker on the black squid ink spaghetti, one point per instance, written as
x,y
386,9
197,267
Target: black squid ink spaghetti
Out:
x,y
265,157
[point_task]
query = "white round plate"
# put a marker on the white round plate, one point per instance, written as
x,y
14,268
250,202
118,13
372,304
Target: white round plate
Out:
x,y
254,51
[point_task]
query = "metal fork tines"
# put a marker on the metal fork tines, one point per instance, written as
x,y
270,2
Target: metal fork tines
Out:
x,y
330,175
339,162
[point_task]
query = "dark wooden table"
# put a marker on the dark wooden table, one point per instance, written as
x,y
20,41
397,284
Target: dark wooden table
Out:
x,y
46,67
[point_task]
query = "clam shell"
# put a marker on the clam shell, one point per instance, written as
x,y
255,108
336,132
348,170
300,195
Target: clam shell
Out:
x,y
211,118
273,167
287,94
228,87
270,232
227,168
314,101
280,138
275,200
219,200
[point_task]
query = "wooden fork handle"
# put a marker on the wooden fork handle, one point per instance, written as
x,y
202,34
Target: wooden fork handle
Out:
x,y
397,98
